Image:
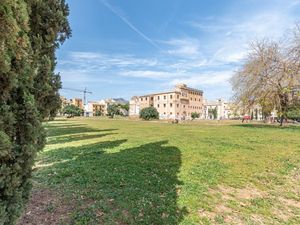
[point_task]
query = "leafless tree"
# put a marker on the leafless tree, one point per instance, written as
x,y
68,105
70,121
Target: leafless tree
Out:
x,y
269,74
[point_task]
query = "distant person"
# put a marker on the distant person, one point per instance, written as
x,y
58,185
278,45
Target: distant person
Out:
x,y
246,118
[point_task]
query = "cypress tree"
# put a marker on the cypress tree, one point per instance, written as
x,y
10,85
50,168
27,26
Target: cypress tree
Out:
x,y
30,32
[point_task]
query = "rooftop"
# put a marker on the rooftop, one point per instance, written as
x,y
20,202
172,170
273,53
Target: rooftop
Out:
x,y
178,86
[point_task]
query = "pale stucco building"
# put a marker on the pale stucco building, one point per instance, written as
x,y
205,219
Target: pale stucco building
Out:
x,y
224,109
93,107
101,106
177,104
229,110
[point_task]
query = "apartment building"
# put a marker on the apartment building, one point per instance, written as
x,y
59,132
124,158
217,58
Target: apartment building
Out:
x,y
179,103
77,102
94,107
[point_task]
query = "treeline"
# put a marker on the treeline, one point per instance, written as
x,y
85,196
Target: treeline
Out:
x,y
30,32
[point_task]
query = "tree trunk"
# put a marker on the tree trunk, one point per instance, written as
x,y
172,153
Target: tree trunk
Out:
x,y
284,100
281,120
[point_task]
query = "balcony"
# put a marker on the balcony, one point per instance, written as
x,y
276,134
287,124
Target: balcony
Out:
x,y
184,98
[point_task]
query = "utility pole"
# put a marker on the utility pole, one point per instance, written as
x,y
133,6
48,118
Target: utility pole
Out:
x,y
85,91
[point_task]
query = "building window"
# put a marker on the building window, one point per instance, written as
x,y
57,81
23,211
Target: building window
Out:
x,y
164,113
164,105
157,97
183,106
165,97
171,96
151,98
177,96
171,105
146,99
177,105
170,113
157,105
195,99
141,99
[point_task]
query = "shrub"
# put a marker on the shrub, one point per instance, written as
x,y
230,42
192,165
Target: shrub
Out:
x,y
113,110
98,113
294,113
124,106
72,110
149,113
195,115
30,33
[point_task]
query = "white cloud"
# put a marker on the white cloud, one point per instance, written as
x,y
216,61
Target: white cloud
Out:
x,y
229,35
95,61
151,74
208,78
184,47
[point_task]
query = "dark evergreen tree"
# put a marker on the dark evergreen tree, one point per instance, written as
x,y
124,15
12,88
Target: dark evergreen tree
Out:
x,y
30,31
149,113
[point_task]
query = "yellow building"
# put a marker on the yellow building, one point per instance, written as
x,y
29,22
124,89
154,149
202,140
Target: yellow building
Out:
x,y
96,107
77,102
177,104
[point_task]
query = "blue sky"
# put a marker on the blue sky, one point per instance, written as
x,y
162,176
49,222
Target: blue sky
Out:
x,y
122,48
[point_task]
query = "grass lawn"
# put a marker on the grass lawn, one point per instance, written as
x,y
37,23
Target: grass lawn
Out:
x,y
134,172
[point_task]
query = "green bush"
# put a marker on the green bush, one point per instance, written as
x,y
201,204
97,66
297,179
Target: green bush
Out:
x,y
124,106
149,113
113,110
195,115
98,113
294,113
30,32
72,110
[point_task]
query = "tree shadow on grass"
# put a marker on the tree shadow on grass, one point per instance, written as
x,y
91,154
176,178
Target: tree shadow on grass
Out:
x,y
77,137
63,124
268,126
70,130
133,186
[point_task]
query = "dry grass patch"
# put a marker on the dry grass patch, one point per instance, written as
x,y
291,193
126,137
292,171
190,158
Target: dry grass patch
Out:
x,y
223,212
249,205
46,207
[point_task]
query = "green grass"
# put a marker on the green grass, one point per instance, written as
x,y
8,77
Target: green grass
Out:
x,y
134,172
